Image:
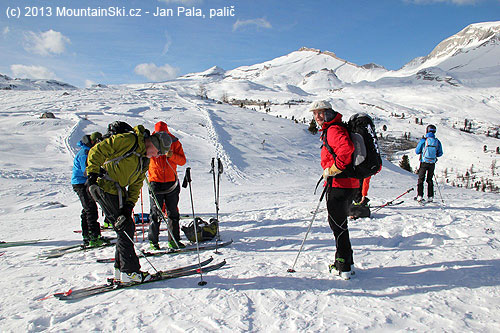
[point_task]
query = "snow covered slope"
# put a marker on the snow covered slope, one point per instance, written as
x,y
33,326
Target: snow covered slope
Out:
x,y
7,83
432,268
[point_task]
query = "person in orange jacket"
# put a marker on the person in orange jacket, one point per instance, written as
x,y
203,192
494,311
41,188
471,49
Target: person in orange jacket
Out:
x,y
165,184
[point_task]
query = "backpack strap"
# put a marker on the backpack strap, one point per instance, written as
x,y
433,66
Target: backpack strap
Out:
x,y
348,171
131,151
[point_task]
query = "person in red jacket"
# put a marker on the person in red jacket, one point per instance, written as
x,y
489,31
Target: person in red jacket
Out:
x,y
341,187
165,184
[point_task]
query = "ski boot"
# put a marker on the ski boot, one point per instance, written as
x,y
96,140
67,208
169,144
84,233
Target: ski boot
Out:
x,y
154,246
135,277
171,245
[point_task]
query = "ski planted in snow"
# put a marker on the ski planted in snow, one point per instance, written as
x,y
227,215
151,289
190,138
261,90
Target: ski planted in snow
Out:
x,y
189,248
164,275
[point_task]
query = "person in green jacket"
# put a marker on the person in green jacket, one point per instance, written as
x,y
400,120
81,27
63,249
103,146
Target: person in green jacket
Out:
x,y
116,168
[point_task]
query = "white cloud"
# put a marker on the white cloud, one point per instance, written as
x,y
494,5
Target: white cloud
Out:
x,y
155,73
455,2
89,83
46,43
5,31
260,22
32,72
167,44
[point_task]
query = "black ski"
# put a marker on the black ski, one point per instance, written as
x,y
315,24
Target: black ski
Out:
x,y
190,248
99,289
59,252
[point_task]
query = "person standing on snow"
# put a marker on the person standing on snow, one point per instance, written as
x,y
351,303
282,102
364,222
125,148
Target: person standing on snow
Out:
x,y
116,170
91,230
429,149
341,189
166,188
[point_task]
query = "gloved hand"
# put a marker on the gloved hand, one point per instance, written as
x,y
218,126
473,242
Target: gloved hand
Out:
x,y
127,209
91,179
169,154
331,171
125,217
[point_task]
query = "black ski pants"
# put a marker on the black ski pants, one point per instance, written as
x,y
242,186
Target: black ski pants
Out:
x,y
426,169
338,201
125,258
167,194
89,215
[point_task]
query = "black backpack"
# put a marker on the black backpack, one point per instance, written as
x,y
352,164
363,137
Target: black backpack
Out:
x,y
117,127
206,230
121,127
366,159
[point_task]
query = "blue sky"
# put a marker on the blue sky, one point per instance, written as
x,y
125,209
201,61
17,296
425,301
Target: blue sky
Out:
x,y
113,50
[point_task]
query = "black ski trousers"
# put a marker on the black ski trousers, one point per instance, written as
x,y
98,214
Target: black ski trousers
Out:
x,y
125,258
338,201
167,194
89,216
426,169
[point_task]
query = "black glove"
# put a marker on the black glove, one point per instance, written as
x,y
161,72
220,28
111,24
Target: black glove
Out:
x,y
127,209
91,179
125,217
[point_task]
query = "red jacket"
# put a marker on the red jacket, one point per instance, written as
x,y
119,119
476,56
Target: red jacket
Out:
x,y
338,138
164,170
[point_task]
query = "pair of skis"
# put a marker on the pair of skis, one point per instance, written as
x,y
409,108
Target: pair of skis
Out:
x,y
111,285
189,248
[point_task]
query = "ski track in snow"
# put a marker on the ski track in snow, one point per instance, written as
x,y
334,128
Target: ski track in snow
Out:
x,y
426,269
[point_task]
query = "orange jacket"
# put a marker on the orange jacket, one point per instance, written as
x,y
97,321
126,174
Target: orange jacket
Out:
x,y
164,170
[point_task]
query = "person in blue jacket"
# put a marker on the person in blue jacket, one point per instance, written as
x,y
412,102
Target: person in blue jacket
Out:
x,y
91,229
429,149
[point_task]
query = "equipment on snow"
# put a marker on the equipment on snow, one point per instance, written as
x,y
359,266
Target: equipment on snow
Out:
x,y
19,243
114,285
220,170
292,270
188,248
185,183
206,231
366,158
139,218
439,190
391,202
358,211
59,252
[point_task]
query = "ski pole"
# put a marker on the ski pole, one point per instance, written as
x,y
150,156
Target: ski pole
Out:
x,y
292,270
390,202
185,182
220,170
161,211
439,190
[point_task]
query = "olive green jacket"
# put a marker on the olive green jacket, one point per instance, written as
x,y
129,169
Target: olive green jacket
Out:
x,y
129,172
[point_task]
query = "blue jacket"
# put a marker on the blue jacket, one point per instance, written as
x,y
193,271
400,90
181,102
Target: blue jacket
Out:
x,y
429,148
79,175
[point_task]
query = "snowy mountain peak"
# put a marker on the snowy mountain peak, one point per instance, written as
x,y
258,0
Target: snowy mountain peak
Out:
x,y
470,38
7,83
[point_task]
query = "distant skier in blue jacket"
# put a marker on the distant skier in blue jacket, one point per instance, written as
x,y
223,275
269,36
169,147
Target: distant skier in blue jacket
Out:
x,y
90,227
429,149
